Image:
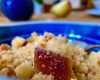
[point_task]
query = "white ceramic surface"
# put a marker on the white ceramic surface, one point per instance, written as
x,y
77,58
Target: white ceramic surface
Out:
x,y
76,4
96,4
93,12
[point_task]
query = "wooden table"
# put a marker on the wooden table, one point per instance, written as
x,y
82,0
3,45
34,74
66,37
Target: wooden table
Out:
x,y
79,16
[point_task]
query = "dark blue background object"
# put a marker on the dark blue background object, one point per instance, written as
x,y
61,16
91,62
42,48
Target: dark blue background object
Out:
x,y
17,9
57,1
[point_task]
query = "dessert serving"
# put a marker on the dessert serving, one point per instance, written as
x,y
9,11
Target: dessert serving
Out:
x,y
47,57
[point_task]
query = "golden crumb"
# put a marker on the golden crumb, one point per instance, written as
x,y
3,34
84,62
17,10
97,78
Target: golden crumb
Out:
x,y
17,42
4,72
4,47
48,36
40,76
34,34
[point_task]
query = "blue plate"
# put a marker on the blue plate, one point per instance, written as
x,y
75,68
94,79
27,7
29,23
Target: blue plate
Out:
x,y
86,32
93,12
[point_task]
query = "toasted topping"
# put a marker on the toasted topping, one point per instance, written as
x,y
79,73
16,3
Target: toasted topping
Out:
x,y
4,47
40,76
34,34
42,45
48,36
49,62
10,70
25,43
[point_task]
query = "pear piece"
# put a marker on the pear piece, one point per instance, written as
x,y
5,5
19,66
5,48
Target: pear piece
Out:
x,y
61,9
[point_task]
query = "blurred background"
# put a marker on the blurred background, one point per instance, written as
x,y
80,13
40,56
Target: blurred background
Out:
x,y
13,11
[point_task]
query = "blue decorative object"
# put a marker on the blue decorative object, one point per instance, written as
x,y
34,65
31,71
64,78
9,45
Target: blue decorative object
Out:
x,y
17,9
57,1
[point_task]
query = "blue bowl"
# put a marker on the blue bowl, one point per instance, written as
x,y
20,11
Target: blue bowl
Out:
x,y
86,32
17,9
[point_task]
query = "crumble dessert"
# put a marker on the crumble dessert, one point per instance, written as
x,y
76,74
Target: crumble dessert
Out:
x,y
47,57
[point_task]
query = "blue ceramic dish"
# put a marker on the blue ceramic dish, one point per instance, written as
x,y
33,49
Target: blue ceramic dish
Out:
x,y
17,9
87,32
